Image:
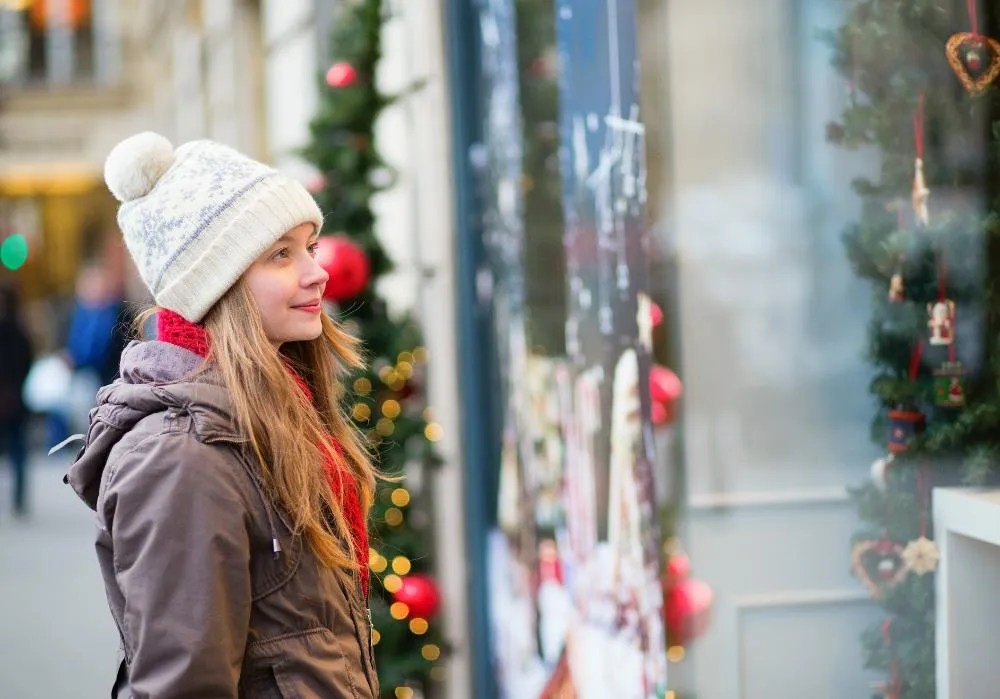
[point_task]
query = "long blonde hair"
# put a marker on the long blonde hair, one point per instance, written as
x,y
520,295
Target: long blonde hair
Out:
x,y
290,436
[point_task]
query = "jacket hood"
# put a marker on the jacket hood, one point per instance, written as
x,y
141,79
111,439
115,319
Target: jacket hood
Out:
x,y
156,377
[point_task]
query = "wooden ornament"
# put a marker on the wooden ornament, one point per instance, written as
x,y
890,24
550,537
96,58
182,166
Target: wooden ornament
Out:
x,y
975,59
897,290
920,195
921,556
878,565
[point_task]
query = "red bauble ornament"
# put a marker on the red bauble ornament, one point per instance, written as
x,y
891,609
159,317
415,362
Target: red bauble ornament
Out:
x,y
664,386
316,185
341,74
347,265
687,609
678,568
655,314
659,414
420,594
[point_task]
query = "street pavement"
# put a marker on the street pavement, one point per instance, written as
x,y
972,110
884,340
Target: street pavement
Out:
x,y
57,639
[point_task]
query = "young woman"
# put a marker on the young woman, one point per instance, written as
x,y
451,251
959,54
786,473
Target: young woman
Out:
x,y
231,491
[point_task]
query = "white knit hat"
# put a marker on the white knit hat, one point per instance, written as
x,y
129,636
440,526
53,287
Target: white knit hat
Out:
x,y
197,217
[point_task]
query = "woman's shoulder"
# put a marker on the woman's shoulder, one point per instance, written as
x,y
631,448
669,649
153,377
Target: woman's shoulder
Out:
x,y
171,465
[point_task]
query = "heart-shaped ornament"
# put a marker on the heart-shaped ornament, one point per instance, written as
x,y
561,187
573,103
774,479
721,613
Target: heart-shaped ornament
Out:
x,y
878,565
975,60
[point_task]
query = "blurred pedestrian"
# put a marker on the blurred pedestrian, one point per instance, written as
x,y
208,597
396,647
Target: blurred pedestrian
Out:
x,y
99,329
15,362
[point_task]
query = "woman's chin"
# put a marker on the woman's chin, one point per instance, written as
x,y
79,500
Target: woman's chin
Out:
x,y
300,332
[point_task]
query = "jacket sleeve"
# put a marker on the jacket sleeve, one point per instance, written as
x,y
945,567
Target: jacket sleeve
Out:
x,y
178,517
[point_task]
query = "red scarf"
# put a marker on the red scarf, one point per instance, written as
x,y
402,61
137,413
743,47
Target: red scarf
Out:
x,y
172,328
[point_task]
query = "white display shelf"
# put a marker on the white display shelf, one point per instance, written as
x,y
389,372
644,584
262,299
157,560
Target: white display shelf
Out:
x,y
967,530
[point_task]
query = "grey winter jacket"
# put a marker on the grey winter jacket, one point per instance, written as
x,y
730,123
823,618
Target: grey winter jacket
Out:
x,y
213,595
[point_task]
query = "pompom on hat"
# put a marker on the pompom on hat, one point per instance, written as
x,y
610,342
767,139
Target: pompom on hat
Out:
x,y
196,217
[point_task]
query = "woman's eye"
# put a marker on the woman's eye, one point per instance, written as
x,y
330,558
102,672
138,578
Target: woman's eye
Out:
x,y
313,249
280,254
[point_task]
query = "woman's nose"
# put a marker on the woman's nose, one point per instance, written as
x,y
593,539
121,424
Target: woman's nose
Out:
x,y
314,274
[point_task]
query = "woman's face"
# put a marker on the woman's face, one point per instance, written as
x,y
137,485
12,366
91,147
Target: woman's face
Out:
x,y
287,284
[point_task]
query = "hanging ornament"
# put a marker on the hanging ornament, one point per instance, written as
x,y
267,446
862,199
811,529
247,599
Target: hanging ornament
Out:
x,y
678,568
664,386
897,292
347,265
878,565
659,415
921,556
420,594
665,390
655,314
920,193
341,74
904,424
975,60
316,184
687,610
941,322
949,391
880,472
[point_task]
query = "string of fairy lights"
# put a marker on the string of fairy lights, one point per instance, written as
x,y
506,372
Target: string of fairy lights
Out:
x,y
390,573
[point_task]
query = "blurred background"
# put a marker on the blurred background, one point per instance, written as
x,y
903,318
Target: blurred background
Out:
x,y
683,323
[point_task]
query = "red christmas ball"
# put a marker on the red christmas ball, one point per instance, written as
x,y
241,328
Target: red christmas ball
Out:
x,y
341,74
687,609
664,386
655,314
659,414
316,185
420,594
678,568
347,265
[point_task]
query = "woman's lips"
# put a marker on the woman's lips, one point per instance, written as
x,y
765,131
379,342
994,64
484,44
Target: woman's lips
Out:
x,y
310,307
